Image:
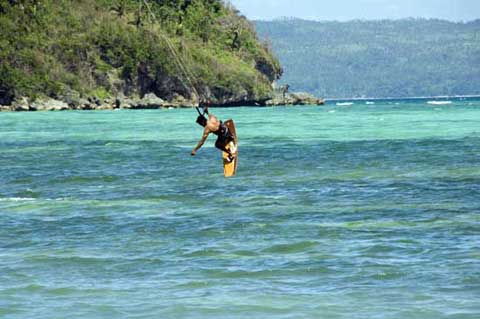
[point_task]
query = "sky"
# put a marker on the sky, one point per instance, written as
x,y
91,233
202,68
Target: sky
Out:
x,y
343,10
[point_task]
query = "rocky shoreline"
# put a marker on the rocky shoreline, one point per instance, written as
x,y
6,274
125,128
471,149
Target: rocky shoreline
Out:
x,y
294,98
149,101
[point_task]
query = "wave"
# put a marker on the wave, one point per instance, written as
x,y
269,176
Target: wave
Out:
x,y
369,103
291,248
439,102
345,104
17,199
29,199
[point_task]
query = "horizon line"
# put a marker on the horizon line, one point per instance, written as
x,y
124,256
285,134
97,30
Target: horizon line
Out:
x,y
292,18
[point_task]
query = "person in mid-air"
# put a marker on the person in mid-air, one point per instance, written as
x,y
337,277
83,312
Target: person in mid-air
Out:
x,y
215,126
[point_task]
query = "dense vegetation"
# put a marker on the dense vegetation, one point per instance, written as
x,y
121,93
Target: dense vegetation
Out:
x,y
411,57
102,48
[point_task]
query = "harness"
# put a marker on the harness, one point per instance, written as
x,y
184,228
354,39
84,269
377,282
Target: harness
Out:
x,y
223,133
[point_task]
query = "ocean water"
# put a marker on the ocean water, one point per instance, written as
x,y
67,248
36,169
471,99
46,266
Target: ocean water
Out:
x,y
369,210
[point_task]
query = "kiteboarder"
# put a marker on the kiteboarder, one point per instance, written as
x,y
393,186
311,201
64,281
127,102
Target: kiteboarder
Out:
x,y
213,125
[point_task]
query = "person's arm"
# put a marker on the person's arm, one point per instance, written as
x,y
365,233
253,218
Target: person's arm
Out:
x,y
206,131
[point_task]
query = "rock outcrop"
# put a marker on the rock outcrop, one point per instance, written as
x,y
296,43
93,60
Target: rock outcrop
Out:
x,y
300,98
49,105
151,101
20,105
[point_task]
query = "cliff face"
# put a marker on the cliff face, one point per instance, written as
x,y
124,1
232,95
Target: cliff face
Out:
x,y
179,50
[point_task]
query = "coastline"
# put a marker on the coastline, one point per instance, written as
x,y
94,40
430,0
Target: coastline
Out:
x,y
151,101
148,102
410,98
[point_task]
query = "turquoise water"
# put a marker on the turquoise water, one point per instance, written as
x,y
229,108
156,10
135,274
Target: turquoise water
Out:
x,y
358,211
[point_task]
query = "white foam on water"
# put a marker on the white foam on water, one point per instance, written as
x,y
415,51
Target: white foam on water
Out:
x,y
345,104
17,199
369,103
29,199
439,102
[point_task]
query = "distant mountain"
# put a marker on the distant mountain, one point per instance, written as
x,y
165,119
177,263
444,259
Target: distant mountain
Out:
x,y
400,58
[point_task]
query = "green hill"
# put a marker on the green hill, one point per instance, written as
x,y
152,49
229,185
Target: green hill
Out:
x,y
72,49
411,57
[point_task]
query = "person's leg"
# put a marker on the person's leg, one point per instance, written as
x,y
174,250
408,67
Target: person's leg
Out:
x,y
221,144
